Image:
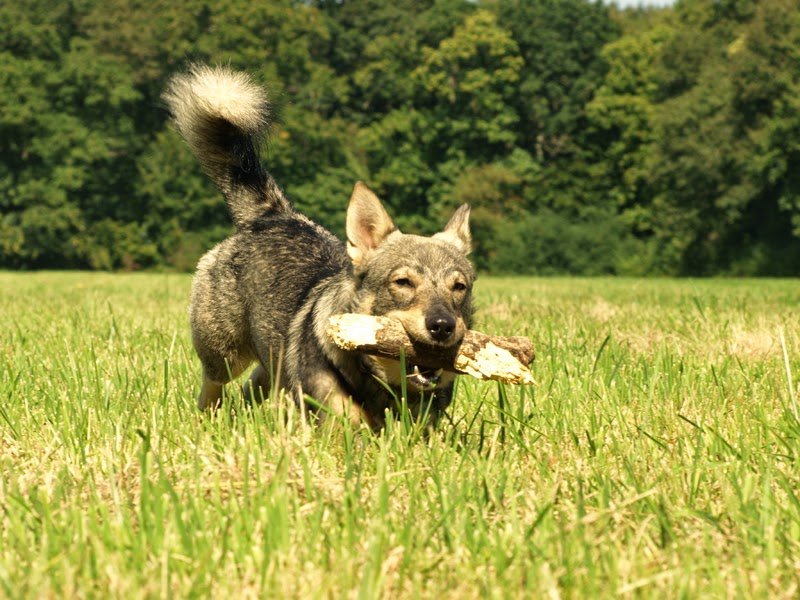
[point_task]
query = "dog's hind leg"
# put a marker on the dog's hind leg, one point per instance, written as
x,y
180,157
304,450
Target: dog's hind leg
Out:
x,y
219,328
216,373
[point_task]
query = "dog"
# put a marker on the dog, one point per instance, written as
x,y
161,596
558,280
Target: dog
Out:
x,y
265,294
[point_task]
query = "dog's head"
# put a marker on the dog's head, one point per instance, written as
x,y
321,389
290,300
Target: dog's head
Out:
x,y
424,282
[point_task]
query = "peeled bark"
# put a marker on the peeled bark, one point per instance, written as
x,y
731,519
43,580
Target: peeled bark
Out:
x,y
483,356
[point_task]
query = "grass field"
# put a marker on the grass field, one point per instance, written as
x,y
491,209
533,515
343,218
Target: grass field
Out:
x,y
658,456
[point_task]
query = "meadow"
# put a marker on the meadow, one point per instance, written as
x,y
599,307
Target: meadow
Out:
x,y
657,456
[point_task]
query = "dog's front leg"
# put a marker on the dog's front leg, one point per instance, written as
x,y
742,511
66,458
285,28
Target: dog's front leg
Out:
x,y
210,396
341,404
335,401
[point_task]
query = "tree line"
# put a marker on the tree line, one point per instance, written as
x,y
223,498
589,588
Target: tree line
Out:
x,y
587,139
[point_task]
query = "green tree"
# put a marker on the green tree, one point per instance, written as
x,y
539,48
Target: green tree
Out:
x,y
721,183
621,119
66,135
460,117
766,78
560,43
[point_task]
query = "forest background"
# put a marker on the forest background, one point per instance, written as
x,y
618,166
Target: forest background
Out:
x,y
588,139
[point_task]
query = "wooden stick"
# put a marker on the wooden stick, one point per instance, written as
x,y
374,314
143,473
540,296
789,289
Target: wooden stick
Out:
x,y
483,356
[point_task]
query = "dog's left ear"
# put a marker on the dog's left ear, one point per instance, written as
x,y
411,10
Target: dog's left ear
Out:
x,y
368,223
456,231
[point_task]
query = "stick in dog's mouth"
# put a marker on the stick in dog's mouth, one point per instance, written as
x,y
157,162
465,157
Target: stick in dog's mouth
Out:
x,y
483,356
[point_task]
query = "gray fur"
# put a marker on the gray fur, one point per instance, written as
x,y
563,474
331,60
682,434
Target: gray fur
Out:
x,y
266,293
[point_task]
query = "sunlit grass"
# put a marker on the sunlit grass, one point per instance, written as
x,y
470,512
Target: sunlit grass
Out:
x,y
658,456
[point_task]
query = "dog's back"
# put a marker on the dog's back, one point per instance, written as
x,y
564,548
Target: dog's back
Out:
x,y
265,294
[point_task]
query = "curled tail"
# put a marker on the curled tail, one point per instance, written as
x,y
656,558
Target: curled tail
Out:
x,y
223,117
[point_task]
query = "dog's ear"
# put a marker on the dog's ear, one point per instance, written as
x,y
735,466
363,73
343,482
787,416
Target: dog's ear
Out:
x,y
368,223
456,231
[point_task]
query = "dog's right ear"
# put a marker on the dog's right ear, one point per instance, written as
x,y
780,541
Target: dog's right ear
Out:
x,y
368,223
456,231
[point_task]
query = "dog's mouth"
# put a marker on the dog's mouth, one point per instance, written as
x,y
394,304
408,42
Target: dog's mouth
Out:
x,y
423,377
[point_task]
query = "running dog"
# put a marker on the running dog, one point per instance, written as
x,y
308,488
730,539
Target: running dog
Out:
x,y
265,294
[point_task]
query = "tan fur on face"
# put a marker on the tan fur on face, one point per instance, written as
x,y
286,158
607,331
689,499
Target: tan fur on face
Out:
x,y
427,295
413,322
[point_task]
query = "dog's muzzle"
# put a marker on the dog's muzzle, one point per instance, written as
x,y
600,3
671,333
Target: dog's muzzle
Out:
x,y
441,325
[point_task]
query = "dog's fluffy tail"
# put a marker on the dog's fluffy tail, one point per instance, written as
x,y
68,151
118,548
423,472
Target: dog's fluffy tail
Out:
x,y
223,116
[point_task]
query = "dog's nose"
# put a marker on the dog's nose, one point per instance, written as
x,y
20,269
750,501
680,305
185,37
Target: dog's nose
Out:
x,y
441,326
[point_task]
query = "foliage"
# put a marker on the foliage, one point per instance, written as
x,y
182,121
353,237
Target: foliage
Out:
x,y
674,132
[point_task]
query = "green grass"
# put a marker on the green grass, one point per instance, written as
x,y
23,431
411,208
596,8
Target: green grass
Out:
x,y
657,457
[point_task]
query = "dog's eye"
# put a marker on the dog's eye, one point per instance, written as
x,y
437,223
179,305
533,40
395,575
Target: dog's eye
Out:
x,y
459,286
403,282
